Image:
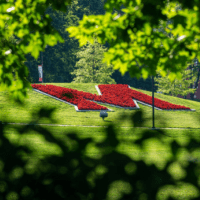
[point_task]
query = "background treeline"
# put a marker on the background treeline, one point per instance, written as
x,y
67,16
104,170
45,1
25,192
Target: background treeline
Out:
x,y
60,60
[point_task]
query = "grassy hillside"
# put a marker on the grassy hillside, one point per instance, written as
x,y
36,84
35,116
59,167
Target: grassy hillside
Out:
x,y
66,114
155,151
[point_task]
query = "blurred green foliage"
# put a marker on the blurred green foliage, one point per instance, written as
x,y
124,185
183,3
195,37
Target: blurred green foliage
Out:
x,y
93,169
140,50
133,47
28,23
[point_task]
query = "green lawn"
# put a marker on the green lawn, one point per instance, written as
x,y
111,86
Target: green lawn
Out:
x,y
155,153
66,114
41,146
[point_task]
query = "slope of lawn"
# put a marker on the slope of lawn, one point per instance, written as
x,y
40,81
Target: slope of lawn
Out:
x,y
66,114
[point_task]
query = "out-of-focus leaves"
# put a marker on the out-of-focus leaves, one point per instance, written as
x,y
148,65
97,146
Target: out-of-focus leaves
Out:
x,y
23,19
134,29
78,173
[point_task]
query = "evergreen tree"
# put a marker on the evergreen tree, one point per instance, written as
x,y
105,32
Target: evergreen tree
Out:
x,y
181,87
90,67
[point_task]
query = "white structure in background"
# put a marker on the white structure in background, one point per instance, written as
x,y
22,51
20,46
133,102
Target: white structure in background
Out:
x,y
40,72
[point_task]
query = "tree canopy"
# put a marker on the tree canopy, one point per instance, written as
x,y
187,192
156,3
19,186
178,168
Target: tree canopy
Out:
x,y
177,87
90,67
27,22
139,49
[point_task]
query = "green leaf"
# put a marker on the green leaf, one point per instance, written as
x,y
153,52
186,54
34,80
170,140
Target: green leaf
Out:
x,y
145,73
147,29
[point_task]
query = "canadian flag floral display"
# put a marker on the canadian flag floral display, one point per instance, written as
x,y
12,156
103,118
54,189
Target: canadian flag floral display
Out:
x,y
119,95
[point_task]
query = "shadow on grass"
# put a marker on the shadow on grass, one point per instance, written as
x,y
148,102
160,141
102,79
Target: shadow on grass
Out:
x,y
106,175
106,120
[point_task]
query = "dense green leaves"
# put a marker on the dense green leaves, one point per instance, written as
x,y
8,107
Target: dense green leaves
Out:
x,y
60,60
34,33
143,46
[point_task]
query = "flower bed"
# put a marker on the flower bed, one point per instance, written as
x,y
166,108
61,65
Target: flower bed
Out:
x,y
157,102
116,94
80,98
123,91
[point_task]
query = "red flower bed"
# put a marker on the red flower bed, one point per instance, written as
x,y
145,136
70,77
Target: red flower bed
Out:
x,y
117,94
157,102
79,98
125,92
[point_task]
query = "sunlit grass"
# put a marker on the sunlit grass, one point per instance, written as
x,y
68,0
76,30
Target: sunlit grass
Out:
x,y
66,114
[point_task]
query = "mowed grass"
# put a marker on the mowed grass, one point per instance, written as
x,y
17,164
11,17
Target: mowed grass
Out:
x,y
125,135
67,115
